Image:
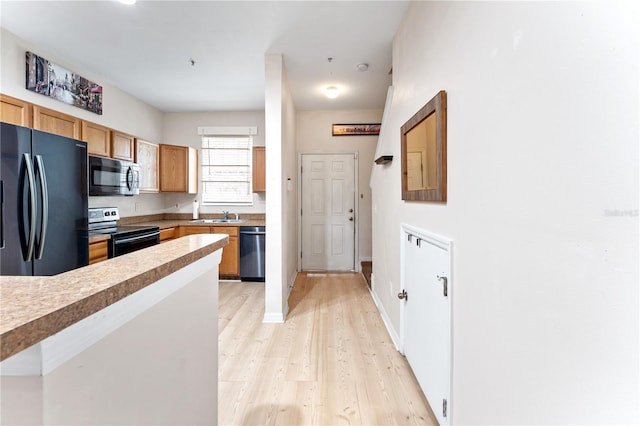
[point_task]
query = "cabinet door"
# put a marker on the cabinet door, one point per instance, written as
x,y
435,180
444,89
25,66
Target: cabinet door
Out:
x,y
15,111
148,158
259,169
98,252
122,146
167,234
48,120
191,230
230,264
178,169
98,139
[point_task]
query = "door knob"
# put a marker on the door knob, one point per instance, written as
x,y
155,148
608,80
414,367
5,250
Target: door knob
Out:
x,y
403,295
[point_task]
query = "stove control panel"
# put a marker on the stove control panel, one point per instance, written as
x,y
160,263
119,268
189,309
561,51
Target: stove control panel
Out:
x,y
103,214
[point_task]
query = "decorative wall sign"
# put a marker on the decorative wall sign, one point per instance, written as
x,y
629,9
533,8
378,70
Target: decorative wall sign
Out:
x,y
52,80
366,129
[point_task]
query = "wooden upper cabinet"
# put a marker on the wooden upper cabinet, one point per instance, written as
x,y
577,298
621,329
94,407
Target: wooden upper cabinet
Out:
x,y
15,111
259,169
98,139
122,146
56,122
178,169
148,158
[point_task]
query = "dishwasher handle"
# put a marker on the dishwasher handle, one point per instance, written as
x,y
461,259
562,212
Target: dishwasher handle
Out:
x,y
253,233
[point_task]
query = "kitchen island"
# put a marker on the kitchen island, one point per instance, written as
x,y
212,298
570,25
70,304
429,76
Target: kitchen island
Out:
x,y
132,340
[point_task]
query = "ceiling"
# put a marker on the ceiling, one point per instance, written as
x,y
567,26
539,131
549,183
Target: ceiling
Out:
x,y
146,49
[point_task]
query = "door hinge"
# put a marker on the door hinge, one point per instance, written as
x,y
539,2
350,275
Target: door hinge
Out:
x,y
445,283
403,295
444,408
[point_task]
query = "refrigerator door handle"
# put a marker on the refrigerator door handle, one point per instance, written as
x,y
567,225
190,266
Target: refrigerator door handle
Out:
x,y
44,219
32,208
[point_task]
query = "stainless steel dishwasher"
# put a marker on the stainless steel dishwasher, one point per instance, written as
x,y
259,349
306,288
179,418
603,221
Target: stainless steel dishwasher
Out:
x,y
252,253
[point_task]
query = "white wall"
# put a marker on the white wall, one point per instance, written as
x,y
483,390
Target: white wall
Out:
x,y
290,198
313,134
120,110
182,129
123,112
276,175
542,203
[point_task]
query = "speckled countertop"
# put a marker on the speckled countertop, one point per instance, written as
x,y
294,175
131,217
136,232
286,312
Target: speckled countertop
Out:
x,y
165,221
34,308
170,223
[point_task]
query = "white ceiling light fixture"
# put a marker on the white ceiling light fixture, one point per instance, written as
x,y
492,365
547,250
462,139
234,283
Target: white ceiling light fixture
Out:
x,y
332,92
128,2
362,67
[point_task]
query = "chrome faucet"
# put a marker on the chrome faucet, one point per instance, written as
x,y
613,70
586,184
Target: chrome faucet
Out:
x,y
226,215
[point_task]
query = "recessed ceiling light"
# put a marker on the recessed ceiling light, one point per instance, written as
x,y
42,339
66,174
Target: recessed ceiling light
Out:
x,y
332,92
127,2
362,67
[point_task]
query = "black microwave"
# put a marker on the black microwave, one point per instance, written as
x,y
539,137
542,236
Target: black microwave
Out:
x,y
108,176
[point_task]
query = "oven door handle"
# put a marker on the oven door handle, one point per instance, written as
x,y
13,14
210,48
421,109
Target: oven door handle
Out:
x,y
137,238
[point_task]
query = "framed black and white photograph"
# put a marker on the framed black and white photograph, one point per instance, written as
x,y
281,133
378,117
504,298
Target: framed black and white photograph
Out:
x,y
52,80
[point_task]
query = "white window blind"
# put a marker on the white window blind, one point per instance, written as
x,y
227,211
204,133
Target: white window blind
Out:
x,y
227,169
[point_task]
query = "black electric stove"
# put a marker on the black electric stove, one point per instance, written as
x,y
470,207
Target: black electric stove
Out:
x,y
124,238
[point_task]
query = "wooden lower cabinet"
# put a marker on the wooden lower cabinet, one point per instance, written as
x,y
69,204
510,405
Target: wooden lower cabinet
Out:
x,y
192,230
230,263
98,252
167,234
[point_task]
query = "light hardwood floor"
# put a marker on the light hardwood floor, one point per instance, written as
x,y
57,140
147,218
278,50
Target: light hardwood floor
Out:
x,y
331,363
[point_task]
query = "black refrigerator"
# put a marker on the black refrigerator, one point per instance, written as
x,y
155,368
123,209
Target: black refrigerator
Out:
x,y
44,195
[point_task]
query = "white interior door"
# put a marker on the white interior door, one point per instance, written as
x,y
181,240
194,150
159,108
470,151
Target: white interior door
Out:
x,y
426,318
328,212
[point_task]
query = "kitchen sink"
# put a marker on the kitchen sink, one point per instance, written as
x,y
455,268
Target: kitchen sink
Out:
x,y
219,221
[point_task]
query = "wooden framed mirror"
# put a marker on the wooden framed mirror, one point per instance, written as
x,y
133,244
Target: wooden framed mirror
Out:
x,y
424,152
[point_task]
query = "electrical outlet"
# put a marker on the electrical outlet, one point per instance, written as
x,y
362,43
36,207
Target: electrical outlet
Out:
x,y
137,207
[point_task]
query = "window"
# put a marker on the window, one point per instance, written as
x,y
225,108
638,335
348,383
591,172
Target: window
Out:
x,y
227,169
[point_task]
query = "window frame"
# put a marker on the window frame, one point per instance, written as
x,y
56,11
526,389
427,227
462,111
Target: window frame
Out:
x,y
221,134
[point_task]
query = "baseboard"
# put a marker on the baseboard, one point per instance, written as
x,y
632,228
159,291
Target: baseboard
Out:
x,y
292,280
275,318
385,319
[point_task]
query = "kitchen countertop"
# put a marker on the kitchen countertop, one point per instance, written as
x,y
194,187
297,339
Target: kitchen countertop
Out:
x,y
171,223
34,308
164,223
